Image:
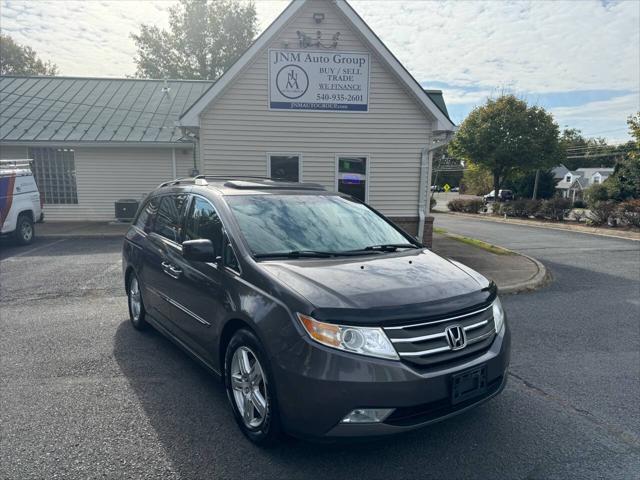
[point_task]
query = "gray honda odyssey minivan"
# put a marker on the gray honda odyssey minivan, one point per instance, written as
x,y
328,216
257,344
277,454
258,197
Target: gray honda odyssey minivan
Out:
x,y
322,317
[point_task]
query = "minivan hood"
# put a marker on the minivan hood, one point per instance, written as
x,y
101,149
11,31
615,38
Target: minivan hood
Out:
x,y
417,280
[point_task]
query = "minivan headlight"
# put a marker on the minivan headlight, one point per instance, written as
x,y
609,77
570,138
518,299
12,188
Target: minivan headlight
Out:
x,y
498,314
370,341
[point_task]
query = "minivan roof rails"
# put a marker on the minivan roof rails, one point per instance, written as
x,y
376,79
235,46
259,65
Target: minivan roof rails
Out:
x,y
244,181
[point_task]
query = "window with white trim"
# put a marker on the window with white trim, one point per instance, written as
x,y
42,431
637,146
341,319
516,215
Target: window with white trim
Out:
x,y
352,176
55,172
284,167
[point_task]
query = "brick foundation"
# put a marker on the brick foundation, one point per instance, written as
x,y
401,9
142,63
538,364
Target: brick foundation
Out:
x,y
410,225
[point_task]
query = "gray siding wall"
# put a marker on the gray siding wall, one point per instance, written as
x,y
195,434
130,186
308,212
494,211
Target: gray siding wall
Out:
x,y
107,174
10,152
238,129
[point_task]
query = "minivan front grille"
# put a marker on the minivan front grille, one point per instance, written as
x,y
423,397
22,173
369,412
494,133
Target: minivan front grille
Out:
x,y
428,343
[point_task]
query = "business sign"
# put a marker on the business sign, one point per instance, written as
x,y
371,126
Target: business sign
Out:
x,y
318,81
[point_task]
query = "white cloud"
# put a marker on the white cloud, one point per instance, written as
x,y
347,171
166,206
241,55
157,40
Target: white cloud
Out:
x,y
82,38
602,118
527,46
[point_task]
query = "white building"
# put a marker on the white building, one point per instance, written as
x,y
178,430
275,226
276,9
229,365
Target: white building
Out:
x,y
316,98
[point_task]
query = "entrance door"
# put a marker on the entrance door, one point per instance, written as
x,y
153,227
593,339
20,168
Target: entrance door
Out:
x,y
351,176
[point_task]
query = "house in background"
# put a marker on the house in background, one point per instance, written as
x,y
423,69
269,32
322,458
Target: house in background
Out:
x,y
573,184
559,172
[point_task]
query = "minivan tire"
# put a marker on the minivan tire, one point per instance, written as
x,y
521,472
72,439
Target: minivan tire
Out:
x,y
137,312
24,232
268,430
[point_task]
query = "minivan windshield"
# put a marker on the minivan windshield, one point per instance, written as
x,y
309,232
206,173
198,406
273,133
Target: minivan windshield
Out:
x,y
308,224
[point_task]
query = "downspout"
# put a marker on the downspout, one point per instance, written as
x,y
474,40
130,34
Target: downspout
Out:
x,y
173,163
425,173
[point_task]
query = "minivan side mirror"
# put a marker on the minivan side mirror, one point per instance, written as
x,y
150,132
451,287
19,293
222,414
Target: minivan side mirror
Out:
x,y
200,250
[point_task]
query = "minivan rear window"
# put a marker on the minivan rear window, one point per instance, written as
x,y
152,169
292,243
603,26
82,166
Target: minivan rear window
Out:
x,y
283,223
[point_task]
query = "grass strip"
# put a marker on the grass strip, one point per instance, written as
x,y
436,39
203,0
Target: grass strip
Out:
x,y
474,242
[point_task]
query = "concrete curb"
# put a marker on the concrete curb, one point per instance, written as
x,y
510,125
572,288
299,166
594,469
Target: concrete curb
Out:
x,y
532,223
540,279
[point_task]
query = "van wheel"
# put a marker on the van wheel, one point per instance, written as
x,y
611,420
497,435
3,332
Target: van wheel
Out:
x,y
251,389
24,229
137,312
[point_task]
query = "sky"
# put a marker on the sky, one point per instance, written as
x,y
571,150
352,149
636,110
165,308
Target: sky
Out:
x,y
579,59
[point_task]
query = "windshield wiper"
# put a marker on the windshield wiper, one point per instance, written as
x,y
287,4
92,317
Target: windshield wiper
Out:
x,y
389,247
295,254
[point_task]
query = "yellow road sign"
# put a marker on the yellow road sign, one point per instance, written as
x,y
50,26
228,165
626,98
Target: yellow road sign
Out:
x,y
446,187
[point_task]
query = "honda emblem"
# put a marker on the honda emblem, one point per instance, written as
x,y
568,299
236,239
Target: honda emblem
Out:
x,y
456,337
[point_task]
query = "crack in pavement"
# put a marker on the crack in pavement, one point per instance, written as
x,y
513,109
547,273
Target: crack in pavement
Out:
x,y
623,435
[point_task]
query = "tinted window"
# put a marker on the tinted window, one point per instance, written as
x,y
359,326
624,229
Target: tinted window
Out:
x,y
169,218
352,176
285,167
281,223
203,222
147,214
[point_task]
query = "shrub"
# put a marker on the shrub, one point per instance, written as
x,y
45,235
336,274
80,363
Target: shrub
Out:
x,y
555,208
579,204
523,207
600,212
596,193
629,212
432,202
466,205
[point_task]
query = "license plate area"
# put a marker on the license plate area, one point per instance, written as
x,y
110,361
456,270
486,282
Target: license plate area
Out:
x,y
468,384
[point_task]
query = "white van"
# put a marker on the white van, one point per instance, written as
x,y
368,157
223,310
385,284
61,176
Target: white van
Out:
x,y
20,202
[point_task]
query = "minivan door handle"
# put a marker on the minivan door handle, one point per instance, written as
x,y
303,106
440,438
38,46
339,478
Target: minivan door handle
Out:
x,y
171,270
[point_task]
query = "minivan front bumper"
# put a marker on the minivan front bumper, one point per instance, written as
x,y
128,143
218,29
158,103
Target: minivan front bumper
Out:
x,y
317,386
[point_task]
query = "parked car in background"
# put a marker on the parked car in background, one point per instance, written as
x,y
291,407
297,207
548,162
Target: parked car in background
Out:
x,y
503,196
455,189
322,317
20,202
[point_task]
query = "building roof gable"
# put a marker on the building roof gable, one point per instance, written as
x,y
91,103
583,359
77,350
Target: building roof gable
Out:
x,y
431,103
589,172
94,110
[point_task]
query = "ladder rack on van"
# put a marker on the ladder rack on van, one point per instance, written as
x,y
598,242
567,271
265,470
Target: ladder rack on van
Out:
x,y
14,164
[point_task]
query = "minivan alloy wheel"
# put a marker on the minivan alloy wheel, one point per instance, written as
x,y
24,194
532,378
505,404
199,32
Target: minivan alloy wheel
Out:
x,y
249,387
134,299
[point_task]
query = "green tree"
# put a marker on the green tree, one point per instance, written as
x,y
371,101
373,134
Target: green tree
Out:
x,y
203,40
522,184
624,183
506,136
476,180
16,59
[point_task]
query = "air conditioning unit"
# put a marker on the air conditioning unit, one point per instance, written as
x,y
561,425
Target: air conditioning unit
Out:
x,y
126,209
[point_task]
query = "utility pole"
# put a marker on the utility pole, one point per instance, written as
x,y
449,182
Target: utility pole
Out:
x,y
535,184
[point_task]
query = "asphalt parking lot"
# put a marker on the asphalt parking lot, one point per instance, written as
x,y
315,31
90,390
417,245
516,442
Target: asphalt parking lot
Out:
x,y
84,395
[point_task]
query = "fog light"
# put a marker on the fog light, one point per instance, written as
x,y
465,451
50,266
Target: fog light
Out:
x,y
367,415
